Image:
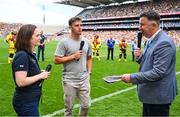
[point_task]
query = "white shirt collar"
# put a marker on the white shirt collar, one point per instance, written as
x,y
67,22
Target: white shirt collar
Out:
x,y
152,37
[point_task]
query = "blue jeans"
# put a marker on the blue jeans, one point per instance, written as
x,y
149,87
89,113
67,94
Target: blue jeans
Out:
x,y
41,49
26,104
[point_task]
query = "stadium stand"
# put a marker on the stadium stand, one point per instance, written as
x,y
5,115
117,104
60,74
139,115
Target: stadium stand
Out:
x,y
114,18
131,9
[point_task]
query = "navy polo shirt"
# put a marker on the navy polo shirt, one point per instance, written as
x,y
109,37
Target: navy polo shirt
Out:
x,y
25,61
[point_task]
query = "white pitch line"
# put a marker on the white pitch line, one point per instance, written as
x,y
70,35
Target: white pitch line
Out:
x,y
92,101
95,100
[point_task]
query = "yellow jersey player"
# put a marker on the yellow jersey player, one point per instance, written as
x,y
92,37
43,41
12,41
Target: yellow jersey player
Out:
x,y
96,44
11,39
123,46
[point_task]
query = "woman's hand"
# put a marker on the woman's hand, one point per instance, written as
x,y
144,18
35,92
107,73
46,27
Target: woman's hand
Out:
x,y
44,75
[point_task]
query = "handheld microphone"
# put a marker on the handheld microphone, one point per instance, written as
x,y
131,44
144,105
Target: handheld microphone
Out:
x,y
139,36
81,46
48,68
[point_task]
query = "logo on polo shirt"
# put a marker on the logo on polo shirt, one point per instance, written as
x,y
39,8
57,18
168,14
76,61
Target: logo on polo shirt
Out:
x,y
21,66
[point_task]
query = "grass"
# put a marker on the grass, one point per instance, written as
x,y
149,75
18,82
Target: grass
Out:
x,y
125,104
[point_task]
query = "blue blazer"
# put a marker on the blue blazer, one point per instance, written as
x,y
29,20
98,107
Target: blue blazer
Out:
x,y
157,75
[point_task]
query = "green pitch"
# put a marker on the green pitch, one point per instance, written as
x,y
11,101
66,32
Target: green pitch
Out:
x,y
124,104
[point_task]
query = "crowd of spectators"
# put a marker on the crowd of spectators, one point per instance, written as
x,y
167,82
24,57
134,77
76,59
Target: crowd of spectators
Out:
x,y
170,24
129,35
175,34
118,35
164,25
5,28
132,9
111,26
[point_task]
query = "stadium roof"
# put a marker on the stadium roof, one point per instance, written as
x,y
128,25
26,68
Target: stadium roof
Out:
x,y
88,3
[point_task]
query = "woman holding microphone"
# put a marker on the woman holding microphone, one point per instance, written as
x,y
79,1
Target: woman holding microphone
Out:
x,y
27,73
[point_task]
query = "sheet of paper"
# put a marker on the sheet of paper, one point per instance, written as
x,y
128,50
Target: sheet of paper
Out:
x,y
112,79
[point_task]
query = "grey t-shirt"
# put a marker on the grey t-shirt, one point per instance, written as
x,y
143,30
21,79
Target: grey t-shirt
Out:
x,y
74,70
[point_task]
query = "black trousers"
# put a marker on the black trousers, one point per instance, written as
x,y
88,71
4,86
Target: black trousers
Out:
x,y
123,52
156,110
110,50
133,56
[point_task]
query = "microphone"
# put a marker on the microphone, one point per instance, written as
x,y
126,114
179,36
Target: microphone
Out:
x,y
139,36
48,68
81,46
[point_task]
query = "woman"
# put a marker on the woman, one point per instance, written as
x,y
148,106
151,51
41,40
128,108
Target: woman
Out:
x,y
26,72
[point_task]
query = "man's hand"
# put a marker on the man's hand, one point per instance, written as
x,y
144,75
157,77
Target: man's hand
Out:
x,y
137,52
77,55
126,78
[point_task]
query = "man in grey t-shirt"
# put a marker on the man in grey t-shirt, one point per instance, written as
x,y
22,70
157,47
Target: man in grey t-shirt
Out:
x,y
77,66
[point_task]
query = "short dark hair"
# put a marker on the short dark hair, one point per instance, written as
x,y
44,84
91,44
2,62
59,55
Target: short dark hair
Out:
x,y
24,36
152,16
74,19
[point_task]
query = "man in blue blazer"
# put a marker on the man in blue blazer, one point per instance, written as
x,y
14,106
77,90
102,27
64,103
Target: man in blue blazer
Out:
x,y
156,79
